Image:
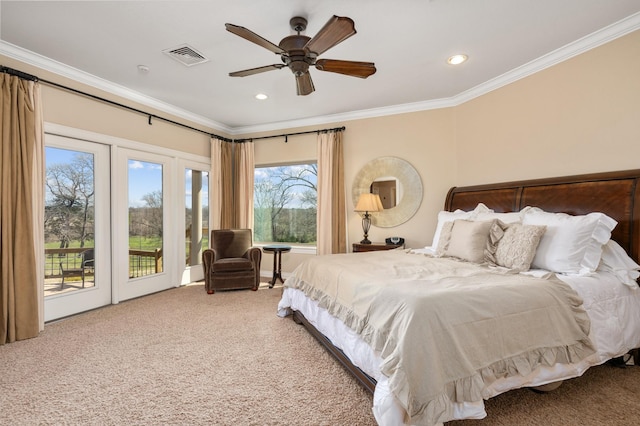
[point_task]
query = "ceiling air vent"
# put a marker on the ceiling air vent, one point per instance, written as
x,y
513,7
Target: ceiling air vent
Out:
x,y
186,55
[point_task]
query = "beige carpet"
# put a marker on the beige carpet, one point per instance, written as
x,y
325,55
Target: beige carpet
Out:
x,y
182,357
603,396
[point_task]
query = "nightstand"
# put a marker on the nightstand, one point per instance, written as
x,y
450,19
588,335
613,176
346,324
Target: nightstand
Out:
x,y
277,250
357,247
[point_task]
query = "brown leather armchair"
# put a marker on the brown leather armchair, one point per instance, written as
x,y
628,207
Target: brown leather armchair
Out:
x,y
231,262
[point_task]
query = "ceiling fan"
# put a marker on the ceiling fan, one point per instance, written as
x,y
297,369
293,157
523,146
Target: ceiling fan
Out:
x,y
298,52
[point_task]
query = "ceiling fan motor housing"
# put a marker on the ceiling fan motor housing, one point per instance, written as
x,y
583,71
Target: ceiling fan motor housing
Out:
x,y
297,58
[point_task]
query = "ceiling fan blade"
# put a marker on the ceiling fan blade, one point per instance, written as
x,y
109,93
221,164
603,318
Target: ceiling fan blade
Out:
x,y
254,38
352,68
337,29
304,84
257,70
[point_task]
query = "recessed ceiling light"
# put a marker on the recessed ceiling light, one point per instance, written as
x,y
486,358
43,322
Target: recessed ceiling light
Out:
x,y
457,59
261,96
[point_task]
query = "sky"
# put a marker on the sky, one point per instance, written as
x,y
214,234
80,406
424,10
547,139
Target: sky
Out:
x,y
144,178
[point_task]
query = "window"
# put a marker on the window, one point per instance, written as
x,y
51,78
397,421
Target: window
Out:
x,y
69,214
285,204
145,218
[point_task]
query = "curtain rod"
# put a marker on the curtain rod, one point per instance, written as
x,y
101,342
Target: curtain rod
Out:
x,y
98,98
286,135
26,76
151,116
19,74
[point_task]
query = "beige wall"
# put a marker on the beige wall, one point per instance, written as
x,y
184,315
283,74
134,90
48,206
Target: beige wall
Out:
x,y
424,139
108,120
297,149
579,116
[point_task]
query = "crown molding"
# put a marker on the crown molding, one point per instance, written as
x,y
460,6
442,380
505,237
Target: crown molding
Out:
x,y
591,41
15,52
348,116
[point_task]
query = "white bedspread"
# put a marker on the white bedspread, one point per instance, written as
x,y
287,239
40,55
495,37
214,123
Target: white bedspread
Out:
x,y
610,305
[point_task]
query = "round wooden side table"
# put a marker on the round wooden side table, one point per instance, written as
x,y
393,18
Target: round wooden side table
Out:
x,y
277,250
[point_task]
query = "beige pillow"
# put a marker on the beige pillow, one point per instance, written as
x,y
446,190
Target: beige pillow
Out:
x,y
517,248
469,240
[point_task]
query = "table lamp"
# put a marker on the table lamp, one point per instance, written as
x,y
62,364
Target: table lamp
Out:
x,y
368,203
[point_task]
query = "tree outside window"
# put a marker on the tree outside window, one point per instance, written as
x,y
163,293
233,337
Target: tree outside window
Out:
x,y
285,204
69,204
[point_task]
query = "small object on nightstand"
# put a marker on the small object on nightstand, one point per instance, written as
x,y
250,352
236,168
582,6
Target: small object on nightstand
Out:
x,y
394,240
359,248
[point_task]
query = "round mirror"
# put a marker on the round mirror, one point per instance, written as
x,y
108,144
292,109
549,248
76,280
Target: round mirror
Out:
x,y
398,184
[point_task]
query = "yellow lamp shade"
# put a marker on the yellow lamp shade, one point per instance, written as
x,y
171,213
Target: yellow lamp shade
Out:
x,y
369,203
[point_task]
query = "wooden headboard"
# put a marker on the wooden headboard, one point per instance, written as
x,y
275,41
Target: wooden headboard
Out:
x,y
612,193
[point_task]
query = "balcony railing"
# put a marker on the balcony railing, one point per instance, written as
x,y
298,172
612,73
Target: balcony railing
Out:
x,y
141,262
144,262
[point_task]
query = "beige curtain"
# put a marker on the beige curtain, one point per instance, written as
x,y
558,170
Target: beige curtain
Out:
x,y
21,241
332,226
221,181
244,181
39,176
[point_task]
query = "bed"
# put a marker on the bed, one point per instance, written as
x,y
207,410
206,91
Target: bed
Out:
x,y
369,310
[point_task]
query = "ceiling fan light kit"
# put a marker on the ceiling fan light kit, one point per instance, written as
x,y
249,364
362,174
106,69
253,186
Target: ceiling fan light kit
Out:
x,y
299,52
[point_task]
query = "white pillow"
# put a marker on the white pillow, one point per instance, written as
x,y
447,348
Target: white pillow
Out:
x,y
571,244
616,260
511,217
445,216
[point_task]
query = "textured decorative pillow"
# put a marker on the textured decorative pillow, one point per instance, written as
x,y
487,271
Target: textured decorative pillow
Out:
x,y
469,240
518,245
571,244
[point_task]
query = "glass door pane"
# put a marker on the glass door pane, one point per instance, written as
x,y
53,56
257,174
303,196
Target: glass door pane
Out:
x,y
145,218
69,221
77,226
146,242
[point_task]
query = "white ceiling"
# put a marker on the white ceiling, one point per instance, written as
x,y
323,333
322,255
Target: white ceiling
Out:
x,y
103,42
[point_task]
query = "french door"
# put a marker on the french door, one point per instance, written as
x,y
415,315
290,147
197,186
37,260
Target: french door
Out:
x,y
144,210
77,226
120,221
